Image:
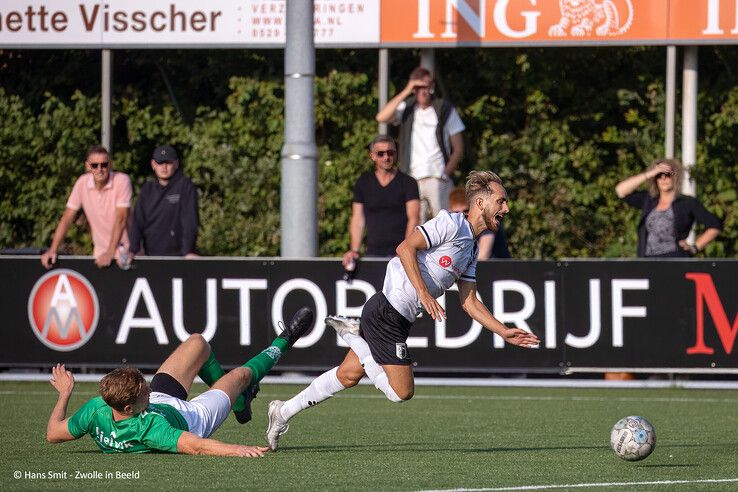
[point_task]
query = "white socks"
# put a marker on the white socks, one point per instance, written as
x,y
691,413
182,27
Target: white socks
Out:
x,y
374,371
322,388
327,384
382,384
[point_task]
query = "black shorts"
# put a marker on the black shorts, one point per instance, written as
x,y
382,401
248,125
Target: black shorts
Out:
x,y
164,383
386,331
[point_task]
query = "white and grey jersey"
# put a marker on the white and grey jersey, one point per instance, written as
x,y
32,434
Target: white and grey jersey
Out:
x,y
451,255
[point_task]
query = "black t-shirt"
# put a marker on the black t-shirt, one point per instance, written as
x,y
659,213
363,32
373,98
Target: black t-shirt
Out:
x,y
384,210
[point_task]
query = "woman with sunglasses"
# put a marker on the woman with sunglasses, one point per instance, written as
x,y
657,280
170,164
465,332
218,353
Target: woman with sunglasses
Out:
x,y
667,215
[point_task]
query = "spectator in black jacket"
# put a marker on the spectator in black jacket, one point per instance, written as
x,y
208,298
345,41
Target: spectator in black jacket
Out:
x,y
165,218
667,216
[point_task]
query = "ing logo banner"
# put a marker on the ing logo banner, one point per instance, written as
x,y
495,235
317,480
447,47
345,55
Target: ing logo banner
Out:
x,y
703,19
556,21
63,310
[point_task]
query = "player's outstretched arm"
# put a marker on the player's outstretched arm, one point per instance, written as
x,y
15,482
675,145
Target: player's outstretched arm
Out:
x,y
56,429
189,443
479,312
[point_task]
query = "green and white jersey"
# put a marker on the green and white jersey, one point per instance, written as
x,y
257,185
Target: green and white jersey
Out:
x,y
155,429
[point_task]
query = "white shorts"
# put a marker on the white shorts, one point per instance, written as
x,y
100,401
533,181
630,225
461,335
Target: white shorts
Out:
x,y
203,414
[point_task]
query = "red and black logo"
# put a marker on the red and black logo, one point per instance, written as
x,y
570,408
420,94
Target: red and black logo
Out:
x,y
63,310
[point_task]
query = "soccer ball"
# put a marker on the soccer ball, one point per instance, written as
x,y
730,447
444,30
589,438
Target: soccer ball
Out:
x,y
633,438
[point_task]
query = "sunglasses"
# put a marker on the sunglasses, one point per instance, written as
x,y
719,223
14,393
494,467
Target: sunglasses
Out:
x,y
382,153
664,175
102,165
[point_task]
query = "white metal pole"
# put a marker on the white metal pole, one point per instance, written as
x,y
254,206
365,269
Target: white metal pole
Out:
x,y
299,191
383,84
689,118
670,95
428,59
106,100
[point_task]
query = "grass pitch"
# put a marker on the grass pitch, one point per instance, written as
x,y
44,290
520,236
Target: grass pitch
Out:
x,y
445,438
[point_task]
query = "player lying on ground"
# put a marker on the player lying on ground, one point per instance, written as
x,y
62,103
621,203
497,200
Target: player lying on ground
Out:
x,y
440,252
131,417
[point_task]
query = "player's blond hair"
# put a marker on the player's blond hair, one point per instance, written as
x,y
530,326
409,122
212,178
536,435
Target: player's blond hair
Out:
x,y
122,387
478,182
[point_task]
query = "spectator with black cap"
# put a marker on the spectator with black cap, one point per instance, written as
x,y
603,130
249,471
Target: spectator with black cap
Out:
x,y
165,217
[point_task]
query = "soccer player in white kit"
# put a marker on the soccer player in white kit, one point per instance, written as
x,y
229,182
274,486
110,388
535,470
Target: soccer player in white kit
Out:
x,y
441,252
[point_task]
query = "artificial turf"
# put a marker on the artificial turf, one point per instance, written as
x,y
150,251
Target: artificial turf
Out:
x,y
445,438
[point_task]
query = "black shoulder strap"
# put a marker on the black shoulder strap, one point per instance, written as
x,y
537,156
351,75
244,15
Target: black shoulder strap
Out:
x,y
406,125
443,111
409,108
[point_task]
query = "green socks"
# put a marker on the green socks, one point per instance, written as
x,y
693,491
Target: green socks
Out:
x,y
262,362
211,371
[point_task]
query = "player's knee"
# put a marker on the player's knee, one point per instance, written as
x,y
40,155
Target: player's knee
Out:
x,y
245,374
348,379
400,396
198,339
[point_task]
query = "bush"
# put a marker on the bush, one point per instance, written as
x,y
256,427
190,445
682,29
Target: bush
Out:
x,y
560,146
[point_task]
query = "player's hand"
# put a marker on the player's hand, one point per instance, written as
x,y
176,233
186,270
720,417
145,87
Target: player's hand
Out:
x,y
432,307
62,380
48,259
521,338
104,260
251,451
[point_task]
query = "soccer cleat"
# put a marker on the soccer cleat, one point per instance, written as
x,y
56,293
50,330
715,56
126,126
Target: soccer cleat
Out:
x,y
243,416
277,424
343,326
299,324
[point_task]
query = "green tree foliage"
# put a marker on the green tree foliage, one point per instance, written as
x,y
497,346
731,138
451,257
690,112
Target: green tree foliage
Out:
x,y
561,127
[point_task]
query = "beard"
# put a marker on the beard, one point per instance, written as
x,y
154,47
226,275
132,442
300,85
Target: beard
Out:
x,y
489,220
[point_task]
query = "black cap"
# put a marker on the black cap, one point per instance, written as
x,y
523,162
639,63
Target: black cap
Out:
x,y
165,153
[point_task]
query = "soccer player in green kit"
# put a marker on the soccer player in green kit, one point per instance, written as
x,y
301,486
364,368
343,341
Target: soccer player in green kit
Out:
x,y
130,416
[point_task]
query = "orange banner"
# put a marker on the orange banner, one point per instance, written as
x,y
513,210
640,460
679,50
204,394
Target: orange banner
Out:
x,y
709,20
547,22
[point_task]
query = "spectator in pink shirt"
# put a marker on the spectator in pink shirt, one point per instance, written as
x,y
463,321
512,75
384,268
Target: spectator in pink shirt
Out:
x,y
105,197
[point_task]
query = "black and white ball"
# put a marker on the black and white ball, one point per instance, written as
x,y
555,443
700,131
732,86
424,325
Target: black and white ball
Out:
x,y
633,438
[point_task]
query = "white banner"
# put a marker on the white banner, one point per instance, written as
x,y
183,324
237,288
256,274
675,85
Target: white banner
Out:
x,y
180,23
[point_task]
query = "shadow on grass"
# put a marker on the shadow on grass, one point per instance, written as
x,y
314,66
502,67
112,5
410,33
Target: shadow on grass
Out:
x,y
667,465
430,447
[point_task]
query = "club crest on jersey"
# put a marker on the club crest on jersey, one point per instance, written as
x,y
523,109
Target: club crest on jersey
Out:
x,y
401,350
445,261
